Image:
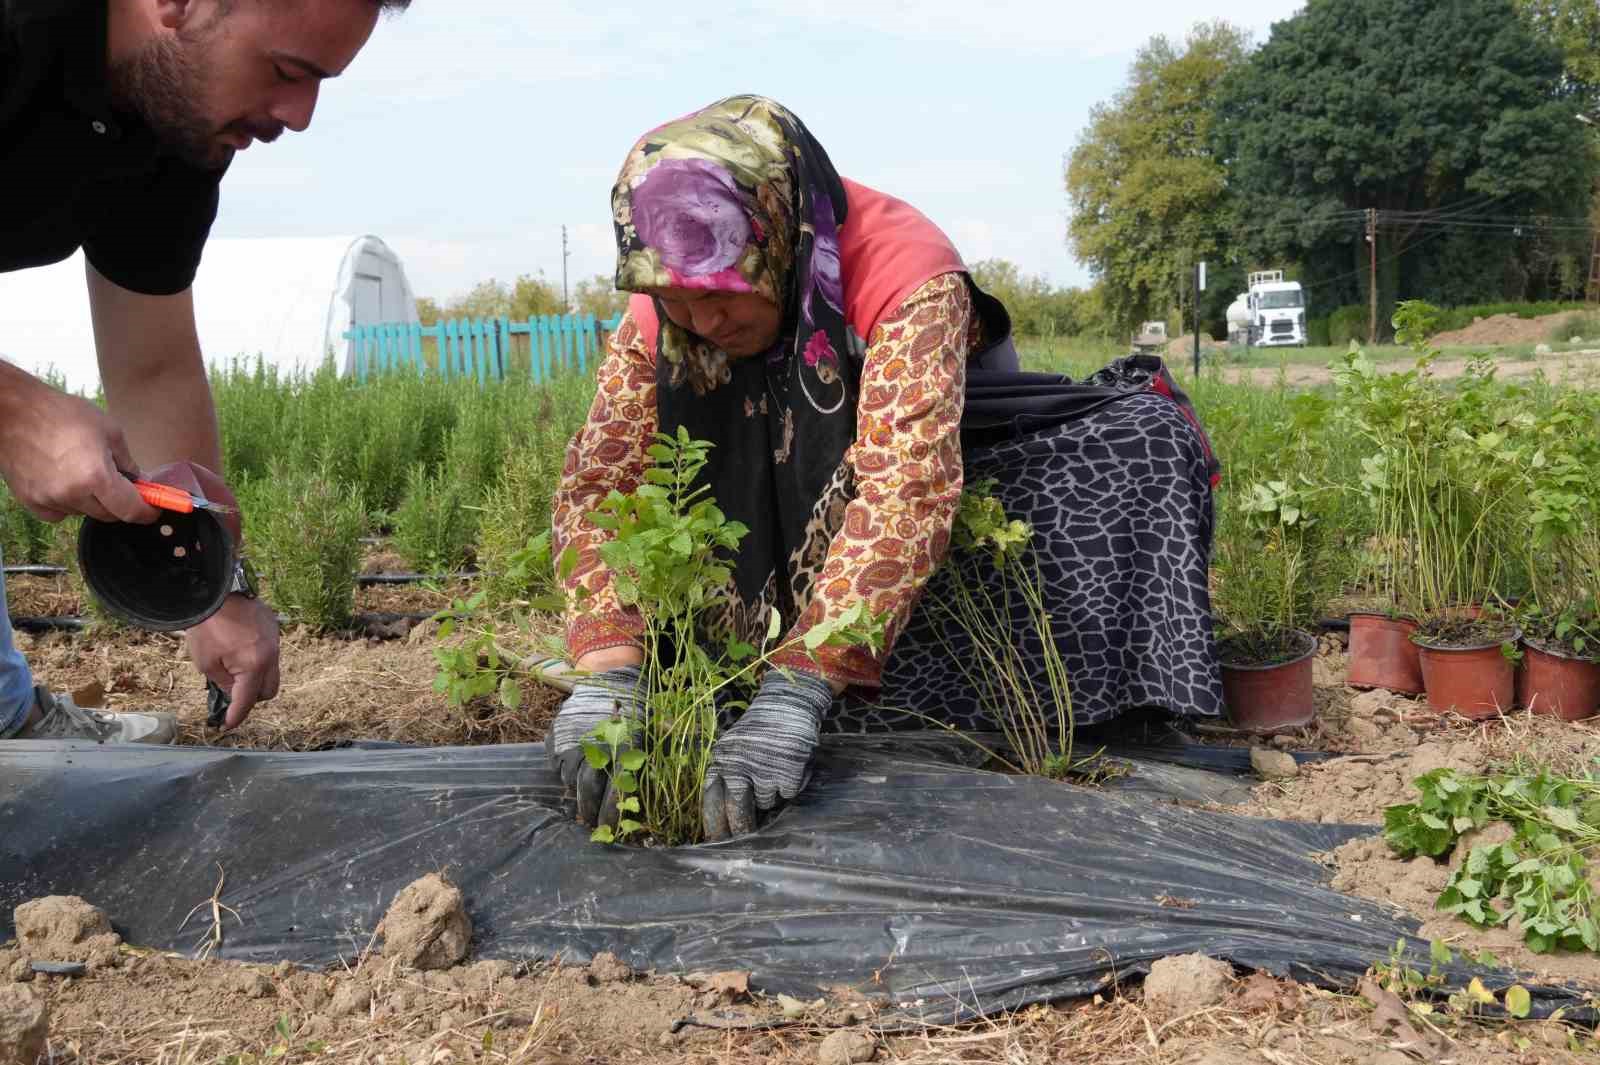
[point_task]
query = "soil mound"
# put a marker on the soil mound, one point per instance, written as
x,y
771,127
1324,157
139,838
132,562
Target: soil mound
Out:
x,y
64,928
1501,329
427,925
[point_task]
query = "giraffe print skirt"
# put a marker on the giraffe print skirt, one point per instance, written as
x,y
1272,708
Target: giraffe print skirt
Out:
x,y
1121,508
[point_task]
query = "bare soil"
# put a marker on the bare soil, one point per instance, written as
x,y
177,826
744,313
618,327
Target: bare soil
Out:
x,y
148,1007
1503,329
161,1009
1579,369
332,690
1392,740
62,596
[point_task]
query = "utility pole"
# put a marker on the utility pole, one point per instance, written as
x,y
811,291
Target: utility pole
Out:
x,y
1592,292
566,304
1199,287
1372,276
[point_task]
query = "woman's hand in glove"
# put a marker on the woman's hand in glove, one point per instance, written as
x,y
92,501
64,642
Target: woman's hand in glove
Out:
x,y
766,754
615,693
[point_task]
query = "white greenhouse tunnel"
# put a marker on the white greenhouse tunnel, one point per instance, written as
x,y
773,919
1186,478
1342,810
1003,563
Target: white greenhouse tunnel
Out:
x,y
286,300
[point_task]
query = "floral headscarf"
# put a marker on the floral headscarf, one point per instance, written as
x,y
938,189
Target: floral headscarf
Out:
x,y
739,197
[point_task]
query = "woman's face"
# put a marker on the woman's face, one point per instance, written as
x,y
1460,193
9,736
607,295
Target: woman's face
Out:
x,y
740,323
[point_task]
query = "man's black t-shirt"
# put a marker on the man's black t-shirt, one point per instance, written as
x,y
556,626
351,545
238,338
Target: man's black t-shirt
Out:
x,y
74,174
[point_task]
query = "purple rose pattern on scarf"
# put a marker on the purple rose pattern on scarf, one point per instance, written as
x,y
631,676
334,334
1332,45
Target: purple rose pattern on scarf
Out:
x,y
689,211
825,277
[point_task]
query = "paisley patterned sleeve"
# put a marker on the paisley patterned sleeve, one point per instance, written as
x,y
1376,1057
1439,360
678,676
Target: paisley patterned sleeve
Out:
x,y
907,463
607,453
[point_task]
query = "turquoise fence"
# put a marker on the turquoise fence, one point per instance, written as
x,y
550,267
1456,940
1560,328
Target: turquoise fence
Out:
x,y
480,347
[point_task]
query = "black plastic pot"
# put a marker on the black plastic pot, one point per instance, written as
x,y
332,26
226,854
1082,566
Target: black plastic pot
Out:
x,y
167,576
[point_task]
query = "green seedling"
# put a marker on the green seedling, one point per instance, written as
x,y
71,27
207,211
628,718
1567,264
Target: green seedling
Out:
x,y
1539,876
668,555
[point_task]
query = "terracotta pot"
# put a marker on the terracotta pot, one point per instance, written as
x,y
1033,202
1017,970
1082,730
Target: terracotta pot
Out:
x,y
1269,698
1382,654
1551,682
1476,682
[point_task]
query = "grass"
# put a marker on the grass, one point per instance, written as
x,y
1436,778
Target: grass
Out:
x,y
458,472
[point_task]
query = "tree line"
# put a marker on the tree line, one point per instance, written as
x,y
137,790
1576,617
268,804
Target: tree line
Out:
x,y
1455,128
528,296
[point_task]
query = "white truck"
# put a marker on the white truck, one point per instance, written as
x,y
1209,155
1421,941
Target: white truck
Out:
x,y
1272,314
1151,338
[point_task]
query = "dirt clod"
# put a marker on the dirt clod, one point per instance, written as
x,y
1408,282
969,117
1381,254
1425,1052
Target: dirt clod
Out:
x,y
1263,992
484,975
847,1048
607,968
63,928
1489,835
252,983
1181,984
427,925
1273,765
351,999
24,1025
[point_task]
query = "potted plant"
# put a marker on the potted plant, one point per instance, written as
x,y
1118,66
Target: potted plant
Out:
x,y
1391,413
1560,616
1462,496
1268,589
1444,481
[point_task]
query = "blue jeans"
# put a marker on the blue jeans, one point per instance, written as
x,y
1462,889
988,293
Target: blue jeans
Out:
x,y
16,682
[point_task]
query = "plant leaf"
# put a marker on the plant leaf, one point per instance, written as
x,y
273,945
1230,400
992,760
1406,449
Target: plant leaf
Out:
x,y
1518,1002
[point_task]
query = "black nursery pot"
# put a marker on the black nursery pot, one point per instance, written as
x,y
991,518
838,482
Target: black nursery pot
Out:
x,y
167,576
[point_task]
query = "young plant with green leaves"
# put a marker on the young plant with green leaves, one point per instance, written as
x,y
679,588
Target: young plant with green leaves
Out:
x,y
1562,608
988,616
668,555
1274,573
1445,477
1540,876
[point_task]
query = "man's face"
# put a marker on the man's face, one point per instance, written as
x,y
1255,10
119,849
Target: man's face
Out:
x,y
219,75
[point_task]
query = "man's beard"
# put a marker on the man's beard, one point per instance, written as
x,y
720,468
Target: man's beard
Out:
x,y
164,86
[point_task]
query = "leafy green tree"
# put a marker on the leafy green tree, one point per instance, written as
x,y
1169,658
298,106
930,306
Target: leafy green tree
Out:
x,y
1148,194
1038,308
527,297
598,297
1437,112
1573,26
532,296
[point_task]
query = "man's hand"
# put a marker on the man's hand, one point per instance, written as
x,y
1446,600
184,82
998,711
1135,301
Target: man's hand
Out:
x,y
237,647
61,455
237,650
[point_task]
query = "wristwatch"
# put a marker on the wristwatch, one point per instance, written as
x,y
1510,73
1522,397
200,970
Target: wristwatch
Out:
x,y
244,579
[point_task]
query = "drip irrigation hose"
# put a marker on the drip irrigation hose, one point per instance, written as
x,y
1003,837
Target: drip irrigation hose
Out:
x,y
363,580
359,622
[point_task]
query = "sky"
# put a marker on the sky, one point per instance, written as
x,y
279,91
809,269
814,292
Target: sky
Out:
x,y
468,132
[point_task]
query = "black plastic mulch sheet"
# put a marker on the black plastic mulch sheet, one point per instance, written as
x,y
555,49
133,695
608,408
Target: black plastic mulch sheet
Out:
x,y
941,890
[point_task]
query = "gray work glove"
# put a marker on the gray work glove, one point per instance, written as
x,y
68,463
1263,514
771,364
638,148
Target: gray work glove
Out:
x,y
594,700
766,754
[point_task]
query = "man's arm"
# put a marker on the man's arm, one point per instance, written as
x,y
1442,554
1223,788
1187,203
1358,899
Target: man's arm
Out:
x,y
153,375
156,388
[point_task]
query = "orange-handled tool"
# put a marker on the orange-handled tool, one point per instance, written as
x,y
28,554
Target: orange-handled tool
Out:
x,y
166,497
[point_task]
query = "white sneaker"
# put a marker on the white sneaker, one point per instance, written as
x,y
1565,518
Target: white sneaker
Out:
x,y
65,720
